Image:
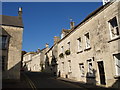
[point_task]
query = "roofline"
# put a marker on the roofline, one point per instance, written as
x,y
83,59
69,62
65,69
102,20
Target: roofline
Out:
x,y
12,25
51,48
87,18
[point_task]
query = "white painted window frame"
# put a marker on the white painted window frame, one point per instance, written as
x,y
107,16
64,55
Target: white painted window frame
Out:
x,y
69,66
90,71
111,37
87,41
79,44
116,64
62,49
82,72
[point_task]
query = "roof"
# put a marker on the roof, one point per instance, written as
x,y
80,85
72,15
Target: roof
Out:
x,y
29,53
15,21
87,18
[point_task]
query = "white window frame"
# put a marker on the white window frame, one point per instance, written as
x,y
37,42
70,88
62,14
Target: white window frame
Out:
x,y
82,72
63,66
90,69
68,45
87,41
116,64
79,42
116,36
62,49
69,66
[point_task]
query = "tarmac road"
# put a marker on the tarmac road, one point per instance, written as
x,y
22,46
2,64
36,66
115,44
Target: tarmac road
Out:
x,y
42,80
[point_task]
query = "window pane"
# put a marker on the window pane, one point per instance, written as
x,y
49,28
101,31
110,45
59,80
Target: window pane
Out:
x,y
4,42
113,22
117,64
114,27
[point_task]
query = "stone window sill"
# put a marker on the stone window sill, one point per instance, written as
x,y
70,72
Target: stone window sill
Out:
x,y
69,72
117,76
114,39
90,76
88,48
79,51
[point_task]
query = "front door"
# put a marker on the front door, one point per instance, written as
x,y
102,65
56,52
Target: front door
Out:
x,y
101,72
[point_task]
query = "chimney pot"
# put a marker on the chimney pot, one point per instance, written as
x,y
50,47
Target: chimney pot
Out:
x,y
46,45
56,39
20,11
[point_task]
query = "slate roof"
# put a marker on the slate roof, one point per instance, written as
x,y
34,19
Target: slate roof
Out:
x,y
15,21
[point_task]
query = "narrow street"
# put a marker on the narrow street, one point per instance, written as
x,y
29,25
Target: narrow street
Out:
x,y
42,80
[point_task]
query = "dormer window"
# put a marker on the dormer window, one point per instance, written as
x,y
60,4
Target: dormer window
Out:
x,y
113,26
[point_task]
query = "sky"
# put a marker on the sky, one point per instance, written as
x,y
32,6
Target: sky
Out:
x,y
44,20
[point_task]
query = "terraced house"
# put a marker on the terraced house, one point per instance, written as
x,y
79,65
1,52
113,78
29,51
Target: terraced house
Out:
x,y
35,61
90,52
11,45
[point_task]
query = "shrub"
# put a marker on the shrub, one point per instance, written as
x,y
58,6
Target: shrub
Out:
x,y
67,52
61,55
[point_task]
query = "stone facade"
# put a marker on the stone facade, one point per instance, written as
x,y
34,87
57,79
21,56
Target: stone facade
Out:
x,y
89,52
11,47
35,61
92,49
51,58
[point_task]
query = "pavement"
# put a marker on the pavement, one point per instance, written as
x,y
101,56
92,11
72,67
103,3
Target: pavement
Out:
x,y
81,84
21,84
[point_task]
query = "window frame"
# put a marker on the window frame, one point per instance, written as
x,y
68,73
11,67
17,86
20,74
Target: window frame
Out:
x,y
116,60
69,44
69,66
87,41
82,70
62,49
90,71
110,30
4,45
79,44
63,69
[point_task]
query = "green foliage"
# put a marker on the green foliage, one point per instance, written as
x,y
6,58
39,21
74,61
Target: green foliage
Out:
x,y
67,52
61,55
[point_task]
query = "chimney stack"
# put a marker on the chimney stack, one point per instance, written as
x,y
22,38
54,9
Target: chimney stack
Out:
x,y
56,39
46,45
72,23
20,12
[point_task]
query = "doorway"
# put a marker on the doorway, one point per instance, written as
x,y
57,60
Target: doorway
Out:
x,y
101,72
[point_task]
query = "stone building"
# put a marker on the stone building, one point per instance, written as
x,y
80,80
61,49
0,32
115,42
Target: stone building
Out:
x,y
11,32
34,61
51,58
90,52
27,58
